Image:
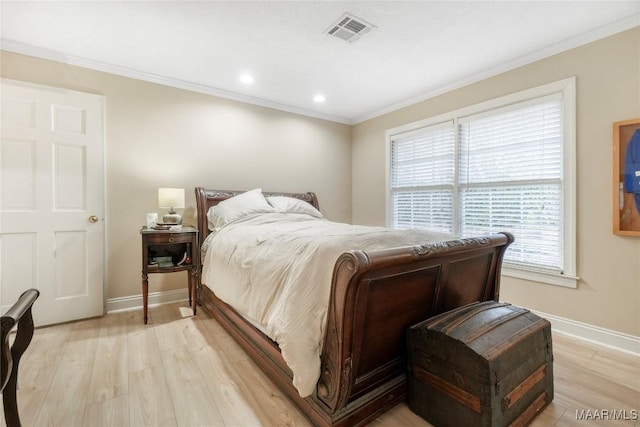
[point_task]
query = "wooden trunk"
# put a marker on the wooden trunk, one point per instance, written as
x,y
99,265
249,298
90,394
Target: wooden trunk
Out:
x,y
484,364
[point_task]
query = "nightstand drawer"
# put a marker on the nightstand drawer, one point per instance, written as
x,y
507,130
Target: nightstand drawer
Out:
x,y
161,238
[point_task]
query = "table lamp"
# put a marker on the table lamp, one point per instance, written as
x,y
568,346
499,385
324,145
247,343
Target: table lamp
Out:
x,y
171,198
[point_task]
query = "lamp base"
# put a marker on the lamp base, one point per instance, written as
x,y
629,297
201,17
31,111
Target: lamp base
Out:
x,y
172,218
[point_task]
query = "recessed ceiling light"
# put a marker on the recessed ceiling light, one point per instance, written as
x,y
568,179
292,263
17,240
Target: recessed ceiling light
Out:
x,y
246,78
319,98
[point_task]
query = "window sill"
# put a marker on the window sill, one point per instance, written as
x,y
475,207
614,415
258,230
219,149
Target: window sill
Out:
x,y
537,276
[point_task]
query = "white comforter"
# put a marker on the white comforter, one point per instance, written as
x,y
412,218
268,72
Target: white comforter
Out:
x,y
276,270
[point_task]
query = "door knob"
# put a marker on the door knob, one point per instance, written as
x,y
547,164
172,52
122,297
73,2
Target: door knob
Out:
x,y
93,218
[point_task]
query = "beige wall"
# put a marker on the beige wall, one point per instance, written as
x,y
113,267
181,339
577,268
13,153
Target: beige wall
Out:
x,y
157,136
160,136
608,90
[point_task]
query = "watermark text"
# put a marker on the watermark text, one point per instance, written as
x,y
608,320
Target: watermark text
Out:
x,y
607,414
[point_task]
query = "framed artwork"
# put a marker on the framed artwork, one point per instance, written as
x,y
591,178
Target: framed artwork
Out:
x,y
626,177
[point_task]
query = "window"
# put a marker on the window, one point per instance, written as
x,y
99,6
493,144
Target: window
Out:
x,y
503,165
423,176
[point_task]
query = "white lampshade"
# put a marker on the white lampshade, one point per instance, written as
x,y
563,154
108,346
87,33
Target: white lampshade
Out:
x,y
171,198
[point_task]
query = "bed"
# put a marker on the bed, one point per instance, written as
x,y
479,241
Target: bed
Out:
x,y
373,296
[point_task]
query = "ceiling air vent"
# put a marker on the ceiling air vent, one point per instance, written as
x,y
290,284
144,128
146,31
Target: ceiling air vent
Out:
x,y
349,28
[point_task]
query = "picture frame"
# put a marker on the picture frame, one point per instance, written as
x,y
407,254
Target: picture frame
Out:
x,y
152,219
626,177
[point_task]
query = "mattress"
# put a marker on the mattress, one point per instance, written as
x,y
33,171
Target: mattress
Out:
x,y
276,269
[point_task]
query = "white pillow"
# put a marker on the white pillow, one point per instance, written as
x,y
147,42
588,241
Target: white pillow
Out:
x,y
247,203
284,204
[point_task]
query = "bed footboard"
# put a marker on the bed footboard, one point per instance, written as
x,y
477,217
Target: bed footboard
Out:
x,y
376,296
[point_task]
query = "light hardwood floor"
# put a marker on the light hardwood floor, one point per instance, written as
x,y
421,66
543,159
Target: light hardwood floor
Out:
x,y
181,370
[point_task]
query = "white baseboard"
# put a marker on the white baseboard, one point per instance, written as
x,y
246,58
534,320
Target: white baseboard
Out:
x,y
606,337
155,298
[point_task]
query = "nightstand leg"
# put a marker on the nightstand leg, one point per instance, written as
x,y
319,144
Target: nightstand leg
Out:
x,y
145,295
193,280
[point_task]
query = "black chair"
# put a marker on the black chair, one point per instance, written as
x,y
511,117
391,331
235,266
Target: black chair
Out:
x,y
19,314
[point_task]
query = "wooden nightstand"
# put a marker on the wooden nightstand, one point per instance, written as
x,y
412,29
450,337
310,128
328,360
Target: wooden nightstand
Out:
x,y
167,251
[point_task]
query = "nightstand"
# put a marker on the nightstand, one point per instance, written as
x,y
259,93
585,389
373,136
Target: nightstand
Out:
x,y
168,251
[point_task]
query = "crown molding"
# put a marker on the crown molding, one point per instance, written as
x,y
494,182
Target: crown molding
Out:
x,y
572,43
52,55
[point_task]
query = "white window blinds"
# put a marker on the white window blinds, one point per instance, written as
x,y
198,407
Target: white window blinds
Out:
x,y
510,175
423,178
491,169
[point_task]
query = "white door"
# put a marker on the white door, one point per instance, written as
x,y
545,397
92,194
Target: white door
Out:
x,y
52,200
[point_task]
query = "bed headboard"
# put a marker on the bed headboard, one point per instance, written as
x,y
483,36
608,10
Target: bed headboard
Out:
x,y
207,198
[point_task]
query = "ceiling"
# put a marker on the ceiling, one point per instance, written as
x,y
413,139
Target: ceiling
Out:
x,y
415,50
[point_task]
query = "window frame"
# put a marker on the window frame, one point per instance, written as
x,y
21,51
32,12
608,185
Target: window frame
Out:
x,y
567,87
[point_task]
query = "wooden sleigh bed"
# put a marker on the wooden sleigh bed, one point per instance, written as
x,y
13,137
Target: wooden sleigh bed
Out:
x,y
375,297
